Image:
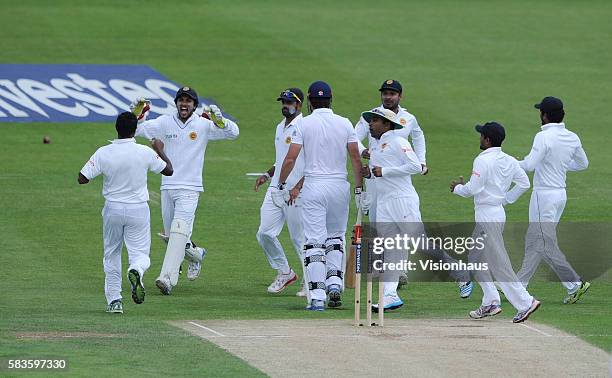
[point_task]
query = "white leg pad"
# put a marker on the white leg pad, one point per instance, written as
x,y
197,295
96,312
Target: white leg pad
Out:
x,y
175,251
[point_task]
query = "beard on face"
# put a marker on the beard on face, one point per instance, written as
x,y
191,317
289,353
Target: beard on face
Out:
x,y
288,111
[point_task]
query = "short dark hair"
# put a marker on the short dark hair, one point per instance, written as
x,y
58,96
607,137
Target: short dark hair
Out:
x,y
319,102
555,116
126,124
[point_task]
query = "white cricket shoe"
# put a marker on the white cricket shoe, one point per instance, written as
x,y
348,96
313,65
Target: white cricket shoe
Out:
x,y
390,302
195,266
282,281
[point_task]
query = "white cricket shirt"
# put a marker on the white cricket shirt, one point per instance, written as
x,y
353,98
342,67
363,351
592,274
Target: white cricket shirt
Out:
x,y
324,136
411,128
282,141
555,151
398,161
124,165
185,145
493,173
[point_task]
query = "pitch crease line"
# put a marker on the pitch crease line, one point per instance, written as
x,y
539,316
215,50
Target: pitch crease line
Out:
x,y
208,329
536,330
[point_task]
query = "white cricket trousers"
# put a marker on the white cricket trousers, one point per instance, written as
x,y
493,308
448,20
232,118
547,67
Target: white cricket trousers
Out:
x,y
179,204
490,221
396,216
545,209
129,223
272,220
325,215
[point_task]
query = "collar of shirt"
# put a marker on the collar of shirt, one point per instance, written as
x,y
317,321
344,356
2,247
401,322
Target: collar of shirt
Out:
x,y
490,150
180,123
293,121
123,140
322,110
399,108
387,135
548,125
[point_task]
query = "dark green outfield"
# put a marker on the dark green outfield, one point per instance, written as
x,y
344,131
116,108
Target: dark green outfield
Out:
x,y
460,63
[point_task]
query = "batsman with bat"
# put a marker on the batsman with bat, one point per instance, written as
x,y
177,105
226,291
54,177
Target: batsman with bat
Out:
x,y
326,139
185,135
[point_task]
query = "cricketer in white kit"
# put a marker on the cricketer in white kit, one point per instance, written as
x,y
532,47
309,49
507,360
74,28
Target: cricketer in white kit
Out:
x,y
274,214
125,217
397,203
391,95
492,175
325,139
555,151
185,135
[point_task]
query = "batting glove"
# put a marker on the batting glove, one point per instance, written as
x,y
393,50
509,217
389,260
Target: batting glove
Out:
x,y
359,198
280,197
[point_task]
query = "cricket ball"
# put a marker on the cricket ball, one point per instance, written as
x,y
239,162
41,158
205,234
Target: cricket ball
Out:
x,y
46,139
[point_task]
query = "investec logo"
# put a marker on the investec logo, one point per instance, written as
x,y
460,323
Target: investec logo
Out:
x,y
60,93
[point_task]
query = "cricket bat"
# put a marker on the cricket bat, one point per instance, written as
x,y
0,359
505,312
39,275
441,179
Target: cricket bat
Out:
x,y
355,266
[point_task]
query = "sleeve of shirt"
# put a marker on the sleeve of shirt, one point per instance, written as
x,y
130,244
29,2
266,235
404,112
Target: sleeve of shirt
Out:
x,y
93,167
411,164
230,131
521,185
352,136
535,155
361,131
150,129
476,183
418,140
156,164
579,160
297,136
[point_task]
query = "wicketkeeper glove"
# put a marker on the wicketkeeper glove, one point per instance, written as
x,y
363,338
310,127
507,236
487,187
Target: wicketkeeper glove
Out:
x,y
140,108
215,115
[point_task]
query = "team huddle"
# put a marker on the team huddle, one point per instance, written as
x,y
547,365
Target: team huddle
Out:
x,y
309,191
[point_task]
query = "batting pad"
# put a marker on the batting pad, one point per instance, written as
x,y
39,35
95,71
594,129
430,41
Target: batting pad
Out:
x,y
175,251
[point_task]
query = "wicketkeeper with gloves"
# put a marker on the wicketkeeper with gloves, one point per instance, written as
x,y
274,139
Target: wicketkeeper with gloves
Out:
x,y
185,135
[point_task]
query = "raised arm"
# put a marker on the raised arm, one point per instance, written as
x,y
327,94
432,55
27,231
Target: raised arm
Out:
x,y
150,129
230,131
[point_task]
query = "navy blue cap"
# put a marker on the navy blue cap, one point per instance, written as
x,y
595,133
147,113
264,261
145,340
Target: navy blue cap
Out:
x,y
492,130
390,84
549,104
319,89
189,92
291,94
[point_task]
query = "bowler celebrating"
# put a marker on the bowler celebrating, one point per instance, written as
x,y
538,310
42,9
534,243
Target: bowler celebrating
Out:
x,y
125,217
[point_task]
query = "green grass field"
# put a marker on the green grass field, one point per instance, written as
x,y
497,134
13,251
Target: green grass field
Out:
x,y
460,64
